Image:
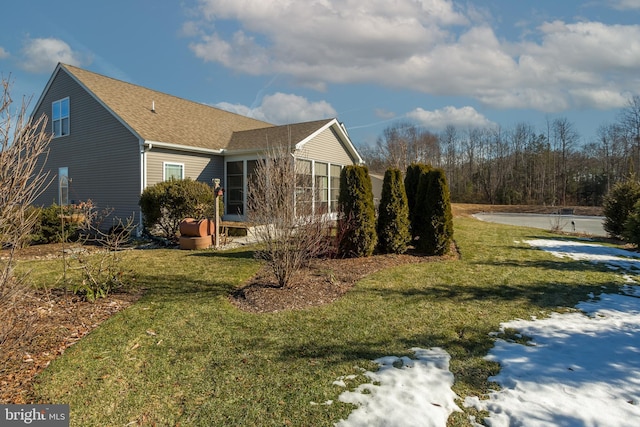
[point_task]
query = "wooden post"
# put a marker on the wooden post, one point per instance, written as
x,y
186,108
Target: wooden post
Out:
x,y
217,225
216,233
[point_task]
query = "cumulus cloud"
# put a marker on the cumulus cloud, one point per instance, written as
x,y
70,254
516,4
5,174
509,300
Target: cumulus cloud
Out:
x,y
282,108
3,53
459,117
432,46
42,54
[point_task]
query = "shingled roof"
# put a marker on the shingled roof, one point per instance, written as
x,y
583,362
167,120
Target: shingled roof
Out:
x,y
285,135
172,120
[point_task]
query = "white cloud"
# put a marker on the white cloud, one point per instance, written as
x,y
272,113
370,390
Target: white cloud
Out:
x,y
282,108
43,54
430,46
384,114
625,4
3,53
459,117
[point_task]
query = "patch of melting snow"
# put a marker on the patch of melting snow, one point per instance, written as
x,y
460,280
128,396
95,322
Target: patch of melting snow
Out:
x,y
404,392
583,368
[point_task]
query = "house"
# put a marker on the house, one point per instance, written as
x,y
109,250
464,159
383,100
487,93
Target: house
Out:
x,y
113,139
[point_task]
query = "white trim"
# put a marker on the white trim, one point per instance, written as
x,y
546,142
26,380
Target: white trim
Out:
x,y
143,183
342,135
164,169
178,147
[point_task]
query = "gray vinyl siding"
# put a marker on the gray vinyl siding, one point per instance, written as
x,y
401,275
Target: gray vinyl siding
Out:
x,y
326,147
199,167
102,155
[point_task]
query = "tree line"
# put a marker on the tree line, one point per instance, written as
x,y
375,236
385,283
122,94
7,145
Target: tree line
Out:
x,y
518,165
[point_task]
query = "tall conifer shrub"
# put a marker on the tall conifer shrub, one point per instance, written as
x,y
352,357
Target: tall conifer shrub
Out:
x,y
433,220
411,180
393,214
357,223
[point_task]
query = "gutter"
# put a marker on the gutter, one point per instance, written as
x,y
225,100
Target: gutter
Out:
x,y
148,145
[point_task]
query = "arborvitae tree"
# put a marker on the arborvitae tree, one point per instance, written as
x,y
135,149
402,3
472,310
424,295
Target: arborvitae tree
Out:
x,y
357,224
618,204
393,214
434,220
411,179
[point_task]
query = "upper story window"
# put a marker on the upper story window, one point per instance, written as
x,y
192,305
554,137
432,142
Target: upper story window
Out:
x,y
60,117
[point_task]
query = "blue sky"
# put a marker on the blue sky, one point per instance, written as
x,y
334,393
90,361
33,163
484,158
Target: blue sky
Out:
x,y
370,63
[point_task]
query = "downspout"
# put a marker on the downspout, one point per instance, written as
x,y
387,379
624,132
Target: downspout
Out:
x,y
143,178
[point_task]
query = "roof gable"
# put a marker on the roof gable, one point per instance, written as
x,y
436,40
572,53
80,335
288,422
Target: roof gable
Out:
x,y
294,136
275,136
159,117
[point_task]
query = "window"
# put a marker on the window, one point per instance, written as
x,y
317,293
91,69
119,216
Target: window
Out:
x,y
60,117
252,166
335,187
322,186
235,188
173,171
63,186
304,186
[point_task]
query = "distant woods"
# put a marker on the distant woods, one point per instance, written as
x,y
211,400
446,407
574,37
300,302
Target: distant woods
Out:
x,y
520,165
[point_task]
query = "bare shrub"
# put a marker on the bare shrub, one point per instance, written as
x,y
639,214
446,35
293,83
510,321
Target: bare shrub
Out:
x,y
291,226
102,271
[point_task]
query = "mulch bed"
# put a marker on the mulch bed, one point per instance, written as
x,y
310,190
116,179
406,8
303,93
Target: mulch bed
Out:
x,y
45,324
322,282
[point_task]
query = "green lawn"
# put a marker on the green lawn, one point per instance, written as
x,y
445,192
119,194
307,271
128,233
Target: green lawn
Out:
x,y
184,355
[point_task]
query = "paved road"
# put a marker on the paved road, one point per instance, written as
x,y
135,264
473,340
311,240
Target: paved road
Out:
x,y
590,225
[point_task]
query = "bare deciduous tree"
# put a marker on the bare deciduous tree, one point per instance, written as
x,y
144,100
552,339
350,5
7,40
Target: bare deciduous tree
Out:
x,y
291,225
23,142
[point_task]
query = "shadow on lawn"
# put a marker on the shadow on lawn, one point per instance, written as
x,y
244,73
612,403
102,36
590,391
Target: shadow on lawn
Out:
x,y
233,254
543,294
180,286
464,345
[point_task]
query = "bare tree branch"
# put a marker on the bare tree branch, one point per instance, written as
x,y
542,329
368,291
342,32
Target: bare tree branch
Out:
x,y
289,222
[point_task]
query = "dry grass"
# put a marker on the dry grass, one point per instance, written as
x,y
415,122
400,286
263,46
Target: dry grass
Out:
x,y
467,209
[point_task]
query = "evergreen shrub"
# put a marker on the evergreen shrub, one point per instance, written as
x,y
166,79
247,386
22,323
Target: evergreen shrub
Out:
x,y
393,214
357,222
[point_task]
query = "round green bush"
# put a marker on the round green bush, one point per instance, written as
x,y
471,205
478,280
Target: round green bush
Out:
x,y
165,204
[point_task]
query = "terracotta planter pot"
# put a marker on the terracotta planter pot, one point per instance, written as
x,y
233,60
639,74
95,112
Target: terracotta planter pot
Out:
x,y
190,227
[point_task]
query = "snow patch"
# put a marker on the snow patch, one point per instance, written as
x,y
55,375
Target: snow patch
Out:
x,y
404,392
584,368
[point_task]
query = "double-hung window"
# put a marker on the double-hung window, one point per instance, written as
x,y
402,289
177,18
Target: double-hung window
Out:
x,y
60,117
